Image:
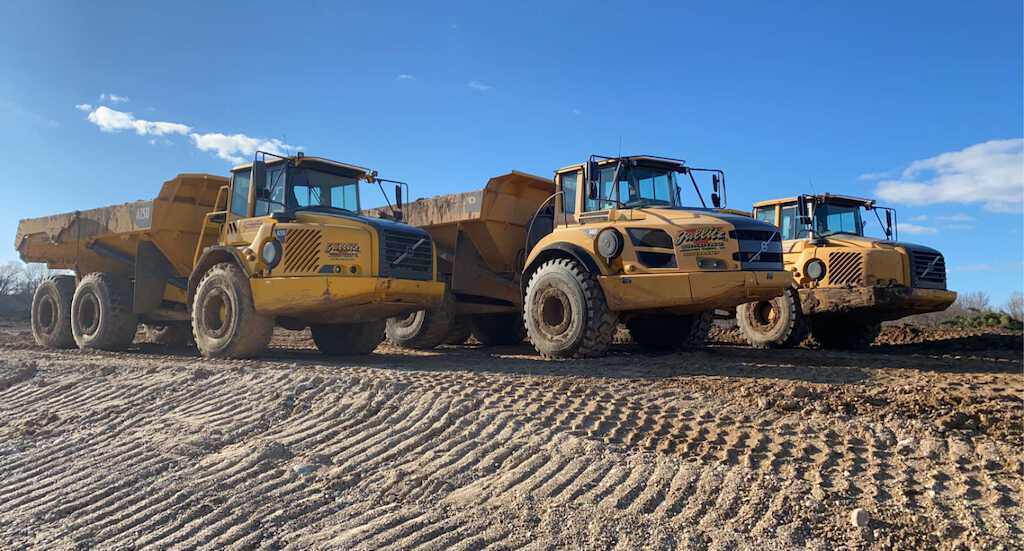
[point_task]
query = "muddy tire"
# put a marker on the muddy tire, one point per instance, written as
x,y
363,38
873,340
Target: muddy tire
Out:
x,y
567,315
460,331
51,312
667,332
225,323
497,329
177,335
348,339
776,323
844,333
101,312
423,329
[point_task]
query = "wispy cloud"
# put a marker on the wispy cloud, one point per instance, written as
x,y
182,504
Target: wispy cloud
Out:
x,y
112,120
988,173
84,107
479,86
234,148
405,76
875,176
917,230
958,217
919,218
113,98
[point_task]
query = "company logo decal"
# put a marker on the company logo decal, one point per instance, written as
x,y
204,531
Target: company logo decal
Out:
x,y
706,240
342,250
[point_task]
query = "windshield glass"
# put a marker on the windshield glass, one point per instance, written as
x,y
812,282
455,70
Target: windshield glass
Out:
x,y
638,186
830,218
312,188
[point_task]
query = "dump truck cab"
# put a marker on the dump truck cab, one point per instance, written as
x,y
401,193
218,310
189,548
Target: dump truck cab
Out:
x,y
845,282
635,236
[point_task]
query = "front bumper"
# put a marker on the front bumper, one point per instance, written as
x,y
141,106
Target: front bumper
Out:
x,y
332,299
692,292
883,303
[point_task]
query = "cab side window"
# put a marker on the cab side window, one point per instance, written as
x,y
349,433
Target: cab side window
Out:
x,y
766,214
569,181
791,226
240,193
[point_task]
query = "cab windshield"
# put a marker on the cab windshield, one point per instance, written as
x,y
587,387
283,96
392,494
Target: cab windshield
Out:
x,y
637,187
832,218
306,188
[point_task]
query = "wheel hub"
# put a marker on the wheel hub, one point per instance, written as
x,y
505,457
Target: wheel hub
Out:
x,y
765,313
555,312
89,314
47,315
217,313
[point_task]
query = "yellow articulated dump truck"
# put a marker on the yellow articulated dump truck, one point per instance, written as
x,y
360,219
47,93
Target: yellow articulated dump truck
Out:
x,y
609,240
845,283
222,260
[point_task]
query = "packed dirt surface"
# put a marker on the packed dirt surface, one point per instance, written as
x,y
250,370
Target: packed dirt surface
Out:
x,y
919,439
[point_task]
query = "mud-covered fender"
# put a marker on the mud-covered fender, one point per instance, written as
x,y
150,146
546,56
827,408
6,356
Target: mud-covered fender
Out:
x,y
559,250
210,257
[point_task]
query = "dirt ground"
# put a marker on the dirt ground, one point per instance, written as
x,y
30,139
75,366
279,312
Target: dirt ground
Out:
x,y
468,448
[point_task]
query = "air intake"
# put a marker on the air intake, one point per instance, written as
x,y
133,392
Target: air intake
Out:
x,y
301,251
845,268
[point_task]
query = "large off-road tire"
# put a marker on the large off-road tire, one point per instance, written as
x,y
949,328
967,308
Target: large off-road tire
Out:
x,y
667,332
225,323
776,323
101,312
497,329
844,332
567,315
174,334
51,312
460,331
423,329
348,339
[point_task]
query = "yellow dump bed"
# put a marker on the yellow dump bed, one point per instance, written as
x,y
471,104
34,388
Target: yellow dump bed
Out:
x,y
107,239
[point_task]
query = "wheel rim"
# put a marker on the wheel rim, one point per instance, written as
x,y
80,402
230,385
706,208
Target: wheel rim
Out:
x,y
46,315
89,314
555,312
765,314
217,313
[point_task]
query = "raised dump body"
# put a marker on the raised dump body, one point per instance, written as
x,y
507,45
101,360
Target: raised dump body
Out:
x,y
481,238
122,238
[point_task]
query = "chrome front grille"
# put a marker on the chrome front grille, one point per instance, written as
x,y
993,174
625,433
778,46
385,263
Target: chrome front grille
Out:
x,y
406,255
928,269
845,268
301,251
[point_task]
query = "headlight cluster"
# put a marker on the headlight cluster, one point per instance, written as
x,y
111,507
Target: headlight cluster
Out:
x,y
609,243
815,269
271,253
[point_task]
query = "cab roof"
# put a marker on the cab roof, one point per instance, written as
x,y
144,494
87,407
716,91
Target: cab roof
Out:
x,y
650,159
835,198
302,159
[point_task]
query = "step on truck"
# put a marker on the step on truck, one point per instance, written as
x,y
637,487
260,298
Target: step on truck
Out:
x,y
607,241
845,283
220,261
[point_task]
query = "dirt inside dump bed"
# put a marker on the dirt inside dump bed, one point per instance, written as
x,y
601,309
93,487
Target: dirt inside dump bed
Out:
x,y
469,447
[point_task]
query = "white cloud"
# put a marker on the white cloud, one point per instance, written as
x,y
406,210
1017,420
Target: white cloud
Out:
x,y
84,107
990,173
919,218
972,268
111,120
479,86
872,176
237,148
113,98
958,217
959,227
917,230
405,76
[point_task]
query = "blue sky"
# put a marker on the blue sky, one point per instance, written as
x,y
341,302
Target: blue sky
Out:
x,y
919,103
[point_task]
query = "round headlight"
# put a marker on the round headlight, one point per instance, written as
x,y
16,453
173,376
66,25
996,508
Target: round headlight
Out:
x,y
609,243
815,269
271,253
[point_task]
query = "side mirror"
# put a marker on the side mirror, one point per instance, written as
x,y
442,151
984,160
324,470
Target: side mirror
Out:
x,y
801,205
592,190
716,200
888,224
398,202
262,194
716,181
